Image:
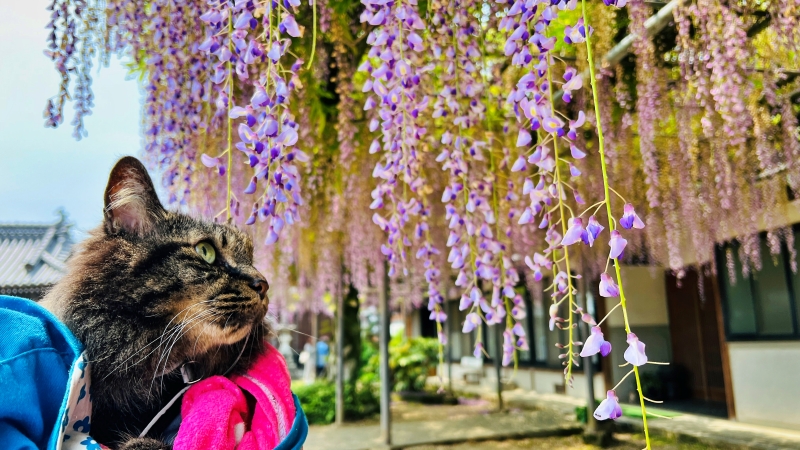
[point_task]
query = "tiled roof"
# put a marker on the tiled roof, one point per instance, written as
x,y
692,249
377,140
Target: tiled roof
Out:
x,y
33,255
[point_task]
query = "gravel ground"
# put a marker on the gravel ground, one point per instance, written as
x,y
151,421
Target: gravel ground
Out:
x,y
624,442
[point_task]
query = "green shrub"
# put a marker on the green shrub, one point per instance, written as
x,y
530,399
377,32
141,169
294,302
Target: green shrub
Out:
x,y
410,361
319,402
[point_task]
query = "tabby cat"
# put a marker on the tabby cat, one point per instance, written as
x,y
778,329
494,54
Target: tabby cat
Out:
x,y
150,290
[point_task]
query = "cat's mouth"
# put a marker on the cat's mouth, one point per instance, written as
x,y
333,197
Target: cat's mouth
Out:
x,y
225,324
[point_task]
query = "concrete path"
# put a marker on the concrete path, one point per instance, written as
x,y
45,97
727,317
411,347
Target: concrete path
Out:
x,y
444,429
722,432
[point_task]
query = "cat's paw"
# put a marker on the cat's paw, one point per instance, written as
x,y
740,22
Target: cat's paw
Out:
x,y
144,444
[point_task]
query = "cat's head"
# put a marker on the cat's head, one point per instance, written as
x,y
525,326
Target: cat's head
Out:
x,y
147,273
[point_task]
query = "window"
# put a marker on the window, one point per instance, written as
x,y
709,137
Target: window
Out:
x,y
763,305
541,341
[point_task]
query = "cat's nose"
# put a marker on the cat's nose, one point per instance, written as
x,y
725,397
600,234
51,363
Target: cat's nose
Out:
x,y
260,286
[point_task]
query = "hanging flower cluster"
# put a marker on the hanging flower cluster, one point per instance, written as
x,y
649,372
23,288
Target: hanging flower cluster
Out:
x,y
269,133
476,254
545,132
395,74
71,46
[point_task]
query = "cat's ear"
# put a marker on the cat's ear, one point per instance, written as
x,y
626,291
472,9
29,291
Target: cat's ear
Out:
x,y
131,203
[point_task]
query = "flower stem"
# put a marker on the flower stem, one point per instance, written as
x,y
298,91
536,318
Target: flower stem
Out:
x,y
314,35
607,197
230,121
560,192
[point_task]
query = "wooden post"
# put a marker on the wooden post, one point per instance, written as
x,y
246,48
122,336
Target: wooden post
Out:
x,y
588,367
449,347
383,349
340,357
497,367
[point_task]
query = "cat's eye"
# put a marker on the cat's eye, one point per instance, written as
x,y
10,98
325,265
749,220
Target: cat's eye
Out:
x,y
207,251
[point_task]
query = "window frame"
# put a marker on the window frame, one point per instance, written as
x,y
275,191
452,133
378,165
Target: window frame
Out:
x,y
722,270
532,362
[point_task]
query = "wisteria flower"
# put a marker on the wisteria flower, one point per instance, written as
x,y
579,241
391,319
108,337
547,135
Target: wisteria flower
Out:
x,y
596,343
508,347
552,124
635,353
617,244
553,316
607,286
586,317
572,134
524,138
573,83
574,232
576,34
472,321
478,352
630,219
576,152
593,229
608,408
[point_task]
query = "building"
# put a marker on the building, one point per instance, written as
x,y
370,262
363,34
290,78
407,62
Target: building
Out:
x,y
733,345
32,257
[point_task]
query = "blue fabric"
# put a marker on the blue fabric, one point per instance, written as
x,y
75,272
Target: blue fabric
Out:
x,y
36,355
297,435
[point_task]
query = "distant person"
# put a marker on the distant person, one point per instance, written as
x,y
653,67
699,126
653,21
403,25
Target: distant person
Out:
x,y
323,349
309,361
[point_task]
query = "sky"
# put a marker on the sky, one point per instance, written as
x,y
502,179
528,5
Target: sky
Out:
x,y
42,169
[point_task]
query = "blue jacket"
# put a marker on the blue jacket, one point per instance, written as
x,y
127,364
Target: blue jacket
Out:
x,y
45,378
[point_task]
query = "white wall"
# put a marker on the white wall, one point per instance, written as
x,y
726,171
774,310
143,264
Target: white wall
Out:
x,y
543,381
646,297
766,382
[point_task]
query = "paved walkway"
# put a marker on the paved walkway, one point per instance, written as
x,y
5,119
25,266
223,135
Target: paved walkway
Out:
x,y
442,426
530,415
727,433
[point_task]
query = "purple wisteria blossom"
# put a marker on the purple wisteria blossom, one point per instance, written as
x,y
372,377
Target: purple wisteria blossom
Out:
x,y
635,352
268,133
617,244
608,288
608,408
630,219
596,343
395,73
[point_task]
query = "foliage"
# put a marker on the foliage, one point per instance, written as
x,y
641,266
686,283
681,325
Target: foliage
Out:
x,y
410,360
361,393
319,401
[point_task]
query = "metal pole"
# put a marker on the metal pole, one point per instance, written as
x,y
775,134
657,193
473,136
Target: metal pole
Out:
x,y
340,358
312,360
588,367
449,350
497,367
383,342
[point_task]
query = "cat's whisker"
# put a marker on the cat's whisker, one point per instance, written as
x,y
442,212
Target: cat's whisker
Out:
x,y
144,347
175,335
196,320
290,330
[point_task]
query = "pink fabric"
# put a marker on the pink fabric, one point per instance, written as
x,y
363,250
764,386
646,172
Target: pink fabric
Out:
x,y
216,416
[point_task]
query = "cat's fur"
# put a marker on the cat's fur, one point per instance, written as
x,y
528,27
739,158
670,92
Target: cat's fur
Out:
x,y
143,301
